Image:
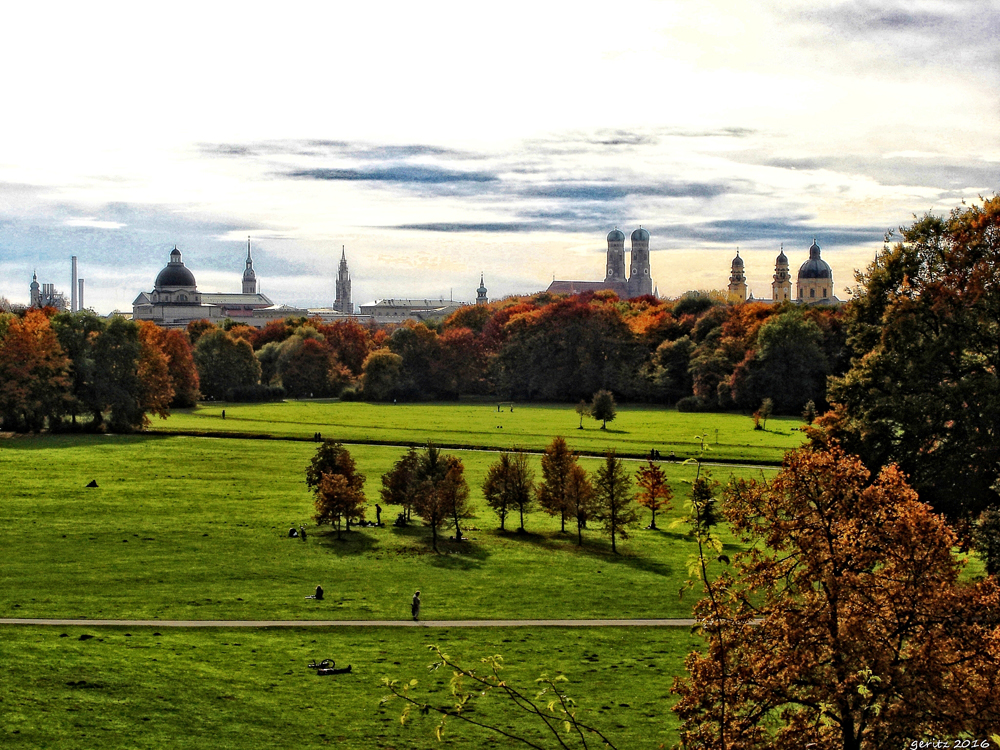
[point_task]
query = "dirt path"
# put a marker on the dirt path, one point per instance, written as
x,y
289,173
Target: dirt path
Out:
x,y
668,623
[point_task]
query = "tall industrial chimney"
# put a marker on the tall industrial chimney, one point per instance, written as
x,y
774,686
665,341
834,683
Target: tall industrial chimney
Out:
x,y
79,299
72,289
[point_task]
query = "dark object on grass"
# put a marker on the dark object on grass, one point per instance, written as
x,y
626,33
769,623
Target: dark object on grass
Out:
x,y
85,637
415,606
328,667
292,533
318,594
93,483
302,533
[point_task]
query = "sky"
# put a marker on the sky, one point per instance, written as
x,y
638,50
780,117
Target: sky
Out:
x,y
434,142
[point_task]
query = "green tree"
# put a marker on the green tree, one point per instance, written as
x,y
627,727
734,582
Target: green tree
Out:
x,y
399,484
844,624
603,408
77,333
580,499
381,376
557,465
117,386
583,409
224,363
788,365
986,537
923,390
509,486
614,504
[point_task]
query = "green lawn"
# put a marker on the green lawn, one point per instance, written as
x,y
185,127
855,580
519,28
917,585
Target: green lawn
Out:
x,y
634,431
187,527
142,688
196,528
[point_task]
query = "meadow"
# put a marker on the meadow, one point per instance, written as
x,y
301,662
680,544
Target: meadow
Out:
x,y
183,527
635,430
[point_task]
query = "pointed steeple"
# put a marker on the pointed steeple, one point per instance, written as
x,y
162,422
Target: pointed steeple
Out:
x,y
249,277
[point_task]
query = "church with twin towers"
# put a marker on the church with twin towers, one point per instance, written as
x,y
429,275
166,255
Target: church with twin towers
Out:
x,y
636,283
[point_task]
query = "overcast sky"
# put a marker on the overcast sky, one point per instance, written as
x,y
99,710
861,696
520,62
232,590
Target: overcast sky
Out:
x,y
438,141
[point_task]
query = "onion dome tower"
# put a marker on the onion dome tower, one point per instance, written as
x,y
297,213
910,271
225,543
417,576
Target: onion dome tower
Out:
x,y
639,280
175,283
343,304
616,257
781,287
738,280
481,298
249,277
815,280
36,294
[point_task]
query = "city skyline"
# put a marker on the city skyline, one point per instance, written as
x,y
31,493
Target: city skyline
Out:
x,y
440,142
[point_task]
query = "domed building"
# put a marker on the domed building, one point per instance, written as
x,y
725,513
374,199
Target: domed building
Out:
x,y
175,300
815,280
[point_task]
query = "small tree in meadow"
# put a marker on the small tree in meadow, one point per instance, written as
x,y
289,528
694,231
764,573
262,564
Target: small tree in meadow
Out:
x,y
557,463
655,492
338,500
615,508
399,484
603,408
583,409
442,494
509,486
580,502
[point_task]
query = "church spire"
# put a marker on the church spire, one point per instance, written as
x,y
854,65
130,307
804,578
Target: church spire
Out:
x,y
249,277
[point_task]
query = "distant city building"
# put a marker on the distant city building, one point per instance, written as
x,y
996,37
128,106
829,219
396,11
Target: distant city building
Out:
x,y
640,281
400,310
343,304
45,295
813,285
175,300
481,298
737,280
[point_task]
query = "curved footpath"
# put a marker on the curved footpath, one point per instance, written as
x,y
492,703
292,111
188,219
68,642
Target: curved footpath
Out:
x,y
668,623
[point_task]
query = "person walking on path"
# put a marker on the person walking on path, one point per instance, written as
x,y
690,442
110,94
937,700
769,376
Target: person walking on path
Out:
x,y
415,606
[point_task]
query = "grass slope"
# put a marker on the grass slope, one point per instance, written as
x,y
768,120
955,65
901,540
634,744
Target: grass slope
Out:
x,y
251,689
196,528
635,430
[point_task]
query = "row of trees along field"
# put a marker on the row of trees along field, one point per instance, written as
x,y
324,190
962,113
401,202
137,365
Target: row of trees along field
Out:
x,y
432,486
699,352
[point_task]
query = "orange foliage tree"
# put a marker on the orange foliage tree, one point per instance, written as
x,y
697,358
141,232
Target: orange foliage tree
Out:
x,y
654,491
844,624
33,371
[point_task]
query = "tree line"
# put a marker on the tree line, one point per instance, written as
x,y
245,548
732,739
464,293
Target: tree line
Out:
x,y
431,485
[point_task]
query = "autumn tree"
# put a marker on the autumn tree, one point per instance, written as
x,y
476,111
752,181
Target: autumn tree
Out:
x,y
337,501
844,624
341,500
557,464
509,486
33,371
655,492
180,364
603,408
580,499
399,484
923,390
614,504
156,387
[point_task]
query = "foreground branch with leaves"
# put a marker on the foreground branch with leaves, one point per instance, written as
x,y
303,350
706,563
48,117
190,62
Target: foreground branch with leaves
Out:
x,y
553,713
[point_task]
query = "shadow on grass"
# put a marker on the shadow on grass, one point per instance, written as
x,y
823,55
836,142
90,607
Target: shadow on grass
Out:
x,y
353,542
464,555
595,546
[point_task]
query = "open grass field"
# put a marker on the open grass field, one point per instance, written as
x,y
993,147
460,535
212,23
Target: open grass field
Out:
x,y
196,528
140,688
636,429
